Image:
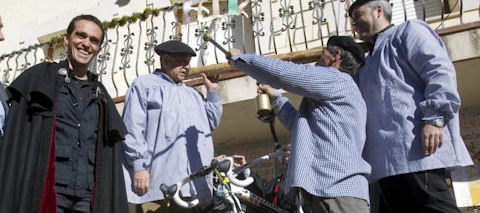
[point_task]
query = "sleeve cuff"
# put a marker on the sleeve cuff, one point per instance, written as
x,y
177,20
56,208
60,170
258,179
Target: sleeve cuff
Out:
x,y
445,107
213,96
247,172
278,101
240,58
139,164
432,117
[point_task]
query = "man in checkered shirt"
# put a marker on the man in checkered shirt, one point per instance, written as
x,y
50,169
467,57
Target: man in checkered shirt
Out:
x,y
328,130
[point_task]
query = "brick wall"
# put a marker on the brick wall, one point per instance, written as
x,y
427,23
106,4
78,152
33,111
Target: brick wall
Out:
x,y
470,130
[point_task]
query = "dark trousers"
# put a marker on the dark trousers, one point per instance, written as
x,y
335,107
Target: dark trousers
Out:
x,y
314,204
425,192
377,202
72,204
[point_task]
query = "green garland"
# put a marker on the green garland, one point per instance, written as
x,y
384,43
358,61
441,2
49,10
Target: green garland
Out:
x,y
121,21
110,24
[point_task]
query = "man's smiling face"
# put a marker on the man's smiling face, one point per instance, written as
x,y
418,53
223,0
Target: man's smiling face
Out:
x,y
84,42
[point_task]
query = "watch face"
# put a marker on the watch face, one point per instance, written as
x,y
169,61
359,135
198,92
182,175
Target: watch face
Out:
x,y
438,122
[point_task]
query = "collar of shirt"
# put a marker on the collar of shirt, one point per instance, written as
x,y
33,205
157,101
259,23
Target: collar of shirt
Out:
x,y
371,46
65,64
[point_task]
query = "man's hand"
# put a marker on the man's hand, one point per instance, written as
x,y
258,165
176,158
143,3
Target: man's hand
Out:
x,y
238,160
141,181
220,157
234,52
432,139
264,88
231,53
211,82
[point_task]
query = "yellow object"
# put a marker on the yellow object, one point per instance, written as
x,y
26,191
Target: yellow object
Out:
x,y
466,185
223,180
264,108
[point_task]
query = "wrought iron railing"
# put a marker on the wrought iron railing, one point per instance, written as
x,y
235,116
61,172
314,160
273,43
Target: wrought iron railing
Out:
x,y
266,27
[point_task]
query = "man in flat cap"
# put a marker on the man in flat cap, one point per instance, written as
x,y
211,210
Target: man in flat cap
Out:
x,y
169,131
413,134
328,130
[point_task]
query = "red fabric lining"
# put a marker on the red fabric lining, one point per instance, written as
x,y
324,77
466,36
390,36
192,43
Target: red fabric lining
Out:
x,y
275,200
49,196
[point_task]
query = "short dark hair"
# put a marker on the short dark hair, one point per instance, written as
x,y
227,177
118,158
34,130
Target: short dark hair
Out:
x,y
91,18
387,8
349,64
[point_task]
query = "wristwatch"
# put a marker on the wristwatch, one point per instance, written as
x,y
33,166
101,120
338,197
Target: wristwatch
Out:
x,y
438,122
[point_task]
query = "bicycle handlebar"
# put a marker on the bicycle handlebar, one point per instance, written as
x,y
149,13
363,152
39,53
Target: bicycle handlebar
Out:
x,y
172,192
224,165
278,153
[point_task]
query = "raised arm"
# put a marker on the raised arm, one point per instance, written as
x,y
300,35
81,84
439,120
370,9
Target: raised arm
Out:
x,y
320,83
213,106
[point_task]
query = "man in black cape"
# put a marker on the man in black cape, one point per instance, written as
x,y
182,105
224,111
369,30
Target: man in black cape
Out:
x,y
61,151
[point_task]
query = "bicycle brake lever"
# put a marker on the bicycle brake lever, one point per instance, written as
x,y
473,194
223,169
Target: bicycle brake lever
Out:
x,y
168,191
231,175
224,165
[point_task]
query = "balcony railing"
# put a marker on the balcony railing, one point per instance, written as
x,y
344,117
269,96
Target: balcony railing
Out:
x,y
268,27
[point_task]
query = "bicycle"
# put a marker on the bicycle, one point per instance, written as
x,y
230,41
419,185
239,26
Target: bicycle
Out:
x,y
230,188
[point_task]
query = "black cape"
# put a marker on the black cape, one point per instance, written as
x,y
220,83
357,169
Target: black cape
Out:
x,y
27,155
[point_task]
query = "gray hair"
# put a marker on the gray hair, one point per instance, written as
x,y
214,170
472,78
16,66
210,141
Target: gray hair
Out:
x,y
387,8
349,64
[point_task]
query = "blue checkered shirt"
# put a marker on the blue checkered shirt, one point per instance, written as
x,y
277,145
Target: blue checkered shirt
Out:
x,y
169,134
408,77
328,130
